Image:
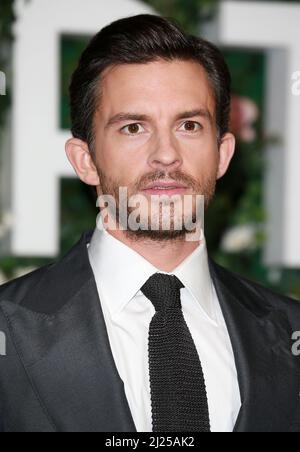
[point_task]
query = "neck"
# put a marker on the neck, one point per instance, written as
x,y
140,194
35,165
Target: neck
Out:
x,y
164,255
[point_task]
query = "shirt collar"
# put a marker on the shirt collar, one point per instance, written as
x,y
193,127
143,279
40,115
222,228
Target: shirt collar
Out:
x,y
120,272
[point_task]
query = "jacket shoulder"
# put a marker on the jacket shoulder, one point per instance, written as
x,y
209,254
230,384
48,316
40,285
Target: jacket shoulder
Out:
x,y
16,289
47,289
255,291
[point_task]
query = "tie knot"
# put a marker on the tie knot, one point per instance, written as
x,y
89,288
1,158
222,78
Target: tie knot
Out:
x,y
163,291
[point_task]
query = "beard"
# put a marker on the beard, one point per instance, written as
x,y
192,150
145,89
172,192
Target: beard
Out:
x,y
205,188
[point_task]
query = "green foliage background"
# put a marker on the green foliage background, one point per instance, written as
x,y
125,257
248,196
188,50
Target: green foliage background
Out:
x,y
239,197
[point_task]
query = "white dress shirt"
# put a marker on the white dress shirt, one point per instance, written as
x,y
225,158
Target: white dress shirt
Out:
x,y
120,272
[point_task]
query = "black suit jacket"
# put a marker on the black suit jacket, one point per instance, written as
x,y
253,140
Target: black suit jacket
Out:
x,y
59,375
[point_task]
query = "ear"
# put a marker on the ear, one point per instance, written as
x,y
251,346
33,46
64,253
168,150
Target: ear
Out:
x,y
226,152
81,159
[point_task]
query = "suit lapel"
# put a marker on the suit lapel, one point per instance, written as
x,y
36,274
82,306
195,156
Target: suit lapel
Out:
x,y
67,354
261,339
60,334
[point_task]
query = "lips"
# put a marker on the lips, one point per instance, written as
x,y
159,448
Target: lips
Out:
x,y
167,188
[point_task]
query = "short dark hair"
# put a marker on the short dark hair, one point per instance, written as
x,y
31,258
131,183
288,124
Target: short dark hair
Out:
x,y
142,39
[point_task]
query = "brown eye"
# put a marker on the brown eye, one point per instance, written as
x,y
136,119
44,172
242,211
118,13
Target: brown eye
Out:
x,y
191,126
131,129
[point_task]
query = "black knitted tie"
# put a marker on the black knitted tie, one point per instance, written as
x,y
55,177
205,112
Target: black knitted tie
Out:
x,y
178,393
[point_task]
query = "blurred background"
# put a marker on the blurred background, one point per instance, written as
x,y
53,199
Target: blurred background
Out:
x,y
251,227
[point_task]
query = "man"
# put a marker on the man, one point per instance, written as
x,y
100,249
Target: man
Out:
x,y
137,329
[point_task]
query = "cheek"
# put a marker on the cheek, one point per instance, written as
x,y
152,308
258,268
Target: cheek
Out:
x,y
203,160
123,170
117,156
109,160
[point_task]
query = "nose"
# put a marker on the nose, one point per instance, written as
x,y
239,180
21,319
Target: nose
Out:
x,y
165,155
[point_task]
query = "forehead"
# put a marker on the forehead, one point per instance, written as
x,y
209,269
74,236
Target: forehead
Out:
x,y
157,86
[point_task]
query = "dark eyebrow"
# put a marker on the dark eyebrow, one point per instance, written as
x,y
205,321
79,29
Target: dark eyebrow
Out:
x,y
120,117
203,112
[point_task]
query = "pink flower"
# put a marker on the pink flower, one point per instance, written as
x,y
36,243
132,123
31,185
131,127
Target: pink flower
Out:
x,y
244,113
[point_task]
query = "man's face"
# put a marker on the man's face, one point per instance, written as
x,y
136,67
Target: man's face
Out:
x,y
156,125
